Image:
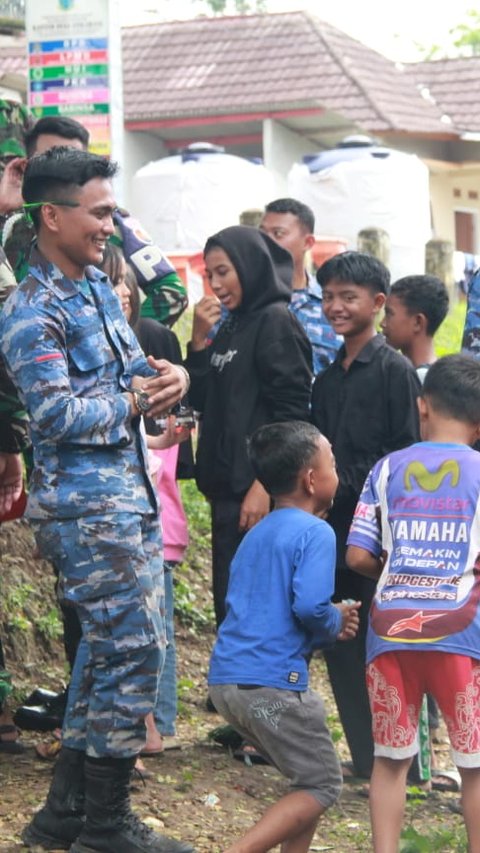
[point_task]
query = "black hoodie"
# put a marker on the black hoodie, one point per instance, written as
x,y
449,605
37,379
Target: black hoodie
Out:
x,y
258,368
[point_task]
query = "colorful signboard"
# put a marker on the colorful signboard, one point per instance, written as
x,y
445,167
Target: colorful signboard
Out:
x,y
68,59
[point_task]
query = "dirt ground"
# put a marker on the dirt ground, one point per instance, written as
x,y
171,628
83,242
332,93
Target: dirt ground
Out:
x,y
199,793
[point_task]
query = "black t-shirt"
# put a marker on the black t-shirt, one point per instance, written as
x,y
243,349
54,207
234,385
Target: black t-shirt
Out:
x,y
365,412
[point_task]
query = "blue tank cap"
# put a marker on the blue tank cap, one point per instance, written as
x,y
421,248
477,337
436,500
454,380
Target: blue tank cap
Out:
x,y
196,150
356,147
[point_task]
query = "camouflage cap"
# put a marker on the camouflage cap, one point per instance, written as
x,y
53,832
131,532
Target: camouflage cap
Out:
x,y
15,119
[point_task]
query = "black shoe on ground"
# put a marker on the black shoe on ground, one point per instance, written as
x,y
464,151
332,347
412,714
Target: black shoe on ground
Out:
x,y
111,826
59,822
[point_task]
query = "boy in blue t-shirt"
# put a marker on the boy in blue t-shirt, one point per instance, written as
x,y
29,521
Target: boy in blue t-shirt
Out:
x,y
278,612
417,529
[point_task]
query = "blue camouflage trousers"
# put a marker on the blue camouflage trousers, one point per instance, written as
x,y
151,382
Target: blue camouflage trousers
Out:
x,y
111,570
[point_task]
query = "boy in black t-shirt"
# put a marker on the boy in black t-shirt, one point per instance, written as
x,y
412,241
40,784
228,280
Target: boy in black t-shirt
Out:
x,y
365,404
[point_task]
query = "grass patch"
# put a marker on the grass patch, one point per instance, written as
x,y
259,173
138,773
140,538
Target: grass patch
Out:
x,y
448,339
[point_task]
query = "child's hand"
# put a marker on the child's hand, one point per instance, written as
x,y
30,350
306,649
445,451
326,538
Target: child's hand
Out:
x,y
171,436
350,619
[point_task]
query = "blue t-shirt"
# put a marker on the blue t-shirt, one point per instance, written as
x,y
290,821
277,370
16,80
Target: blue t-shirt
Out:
x,y
278,603
420,507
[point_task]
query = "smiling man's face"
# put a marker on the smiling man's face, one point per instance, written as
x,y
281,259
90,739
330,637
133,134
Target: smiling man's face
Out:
x,y
81,231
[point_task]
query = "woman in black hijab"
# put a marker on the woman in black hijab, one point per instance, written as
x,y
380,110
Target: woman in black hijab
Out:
x,y
256,371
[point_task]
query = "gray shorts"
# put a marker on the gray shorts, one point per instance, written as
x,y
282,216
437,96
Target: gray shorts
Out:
x,y
290,730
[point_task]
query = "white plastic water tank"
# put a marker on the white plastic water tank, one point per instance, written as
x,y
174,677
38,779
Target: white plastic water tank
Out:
x,y
362,185
184,199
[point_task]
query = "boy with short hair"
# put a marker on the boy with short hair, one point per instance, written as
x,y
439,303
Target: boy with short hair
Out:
x,y
417,530
365,404
278,611
415,308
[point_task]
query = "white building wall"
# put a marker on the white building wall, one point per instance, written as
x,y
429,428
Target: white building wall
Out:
x,y
10,94
282,148
138,149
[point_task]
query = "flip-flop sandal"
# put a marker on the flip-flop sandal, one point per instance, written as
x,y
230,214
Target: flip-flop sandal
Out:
x,y
48,750
151,753
10,747
447,781
249,755
171,742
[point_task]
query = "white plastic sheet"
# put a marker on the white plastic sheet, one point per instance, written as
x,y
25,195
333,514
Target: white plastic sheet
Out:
x,y
389,192
181,204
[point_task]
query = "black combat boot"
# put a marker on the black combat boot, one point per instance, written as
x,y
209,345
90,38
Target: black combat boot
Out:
x,y
111,826
58,823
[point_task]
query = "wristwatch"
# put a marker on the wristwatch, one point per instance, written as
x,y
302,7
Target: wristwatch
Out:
x,y
141,401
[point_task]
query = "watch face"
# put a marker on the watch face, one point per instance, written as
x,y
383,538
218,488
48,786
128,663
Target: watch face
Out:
x,y
141,398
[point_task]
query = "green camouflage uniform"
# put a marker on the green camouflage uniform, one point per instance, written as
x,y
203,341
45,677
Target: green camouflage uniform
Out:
x,y
14,120
13,420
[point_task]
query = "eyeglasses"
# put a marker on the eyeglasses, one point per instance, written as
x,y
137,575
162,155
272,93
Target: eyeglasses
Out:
x,y
101,214
30,205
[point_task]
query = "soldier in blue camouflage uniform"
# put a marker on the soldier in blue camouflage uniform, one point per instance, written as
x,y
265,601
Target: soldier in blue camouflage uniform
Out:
x,y
85,382
471,331
291,223
165,295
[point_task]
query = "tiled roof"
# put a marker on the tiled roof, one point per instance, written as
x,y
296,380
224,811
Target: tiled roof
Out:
x,y
13,59
247,64
454,84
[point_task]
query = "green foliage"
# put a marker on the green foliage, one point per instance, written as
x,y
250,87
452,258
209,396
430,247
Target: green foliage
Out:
x,y
15,599
449,336
188,607
197,511
467,35
464,40
50,624
193,604
435,841
336,731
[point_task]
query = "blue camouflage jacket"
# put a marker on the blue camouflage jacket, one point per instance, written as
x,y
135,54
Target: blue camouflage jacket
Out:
x,y
471,331
72,355
308,309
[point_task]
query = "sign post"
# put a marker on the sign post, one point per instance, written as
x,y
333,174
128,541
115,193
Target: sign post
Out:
x,y
69,62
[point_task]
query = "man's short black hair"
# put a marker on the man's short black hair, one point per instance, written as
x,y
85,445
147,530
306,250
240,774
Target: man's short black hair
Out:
x,y
290,205
62,126
356,268
58,174
452,385
423,294
279,452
